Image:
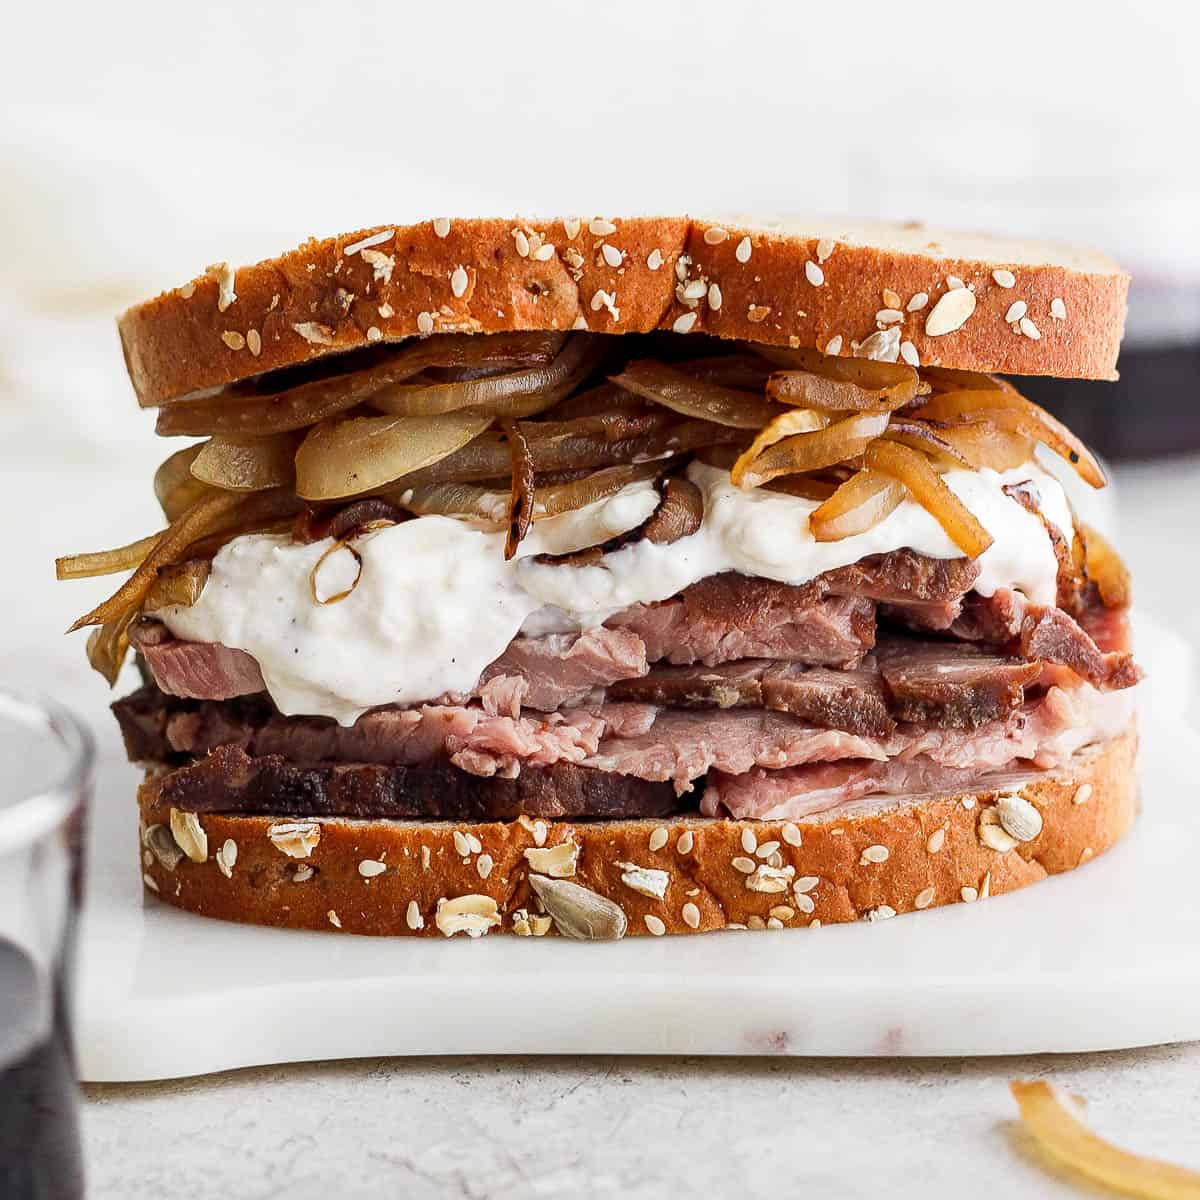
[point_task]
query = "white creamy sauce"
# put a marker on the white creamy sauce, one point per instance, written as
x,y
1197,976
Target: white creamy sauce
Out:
x,y
435,601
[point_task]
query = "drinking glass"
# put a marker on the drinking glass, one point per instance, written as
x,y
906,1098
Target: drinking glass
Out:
x,y
46,764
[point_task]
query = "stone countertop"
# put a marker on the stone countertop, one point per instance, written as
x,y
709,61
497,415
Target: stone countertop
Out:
x,y
633,1128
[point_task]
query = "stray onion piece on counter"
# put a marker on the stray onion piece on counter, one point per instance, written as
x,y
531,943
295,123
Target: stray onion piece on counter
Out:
x,y
507,429
1054,1122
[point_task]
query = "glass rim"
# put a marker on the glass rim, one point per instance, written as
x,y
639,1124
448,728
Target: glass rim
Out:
x,y
27,820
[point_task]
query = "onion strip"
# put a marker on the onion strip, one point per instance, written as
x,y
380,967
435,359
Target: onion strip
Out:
x,y
108,645
861,503
811,451
105,562
681,392
929,490
786,424
521,503
175,487
248,464
853,379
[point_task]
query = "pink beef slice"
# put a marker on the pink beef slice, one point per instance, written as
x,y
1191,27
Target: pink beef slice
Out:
x,y
730,616
196,670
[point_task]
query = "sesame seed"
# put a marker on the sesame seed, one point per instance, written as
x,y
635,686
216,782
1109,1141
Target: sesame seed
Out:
x,y
522,242
985,889
881,346
1016,310
1083,793
370,867
749,840
611,254
693,291
969,895
815,924
885,912
968,802
655,924
375,239
424,322
374,334
691,915
441,226
334,919
684,323
825,248
918,302
254,341
1058,310
544,253
954,283
539,833
805,883
412,916
755,922
1029,329
783,911
658,839
774,923
681,267
387,312
608,300
686,841
461,845
834,345
484,864
791,834
888,316
571,226
890,298
714,297
813,273
233,339
580,322
805,904
908,352
459,280
924,898
950,313
655,260
745,865
873,854
1005,279
600,227
744,248
766,849
937,839
714,235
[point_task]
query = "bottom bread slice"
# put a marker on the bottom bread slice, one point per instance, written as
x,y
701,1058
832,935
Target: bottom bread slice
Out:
x,y
605,879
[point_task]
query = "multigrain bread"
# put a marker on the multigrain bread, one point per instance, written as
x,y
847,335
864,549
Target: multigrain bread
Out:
x,y
872,860
874,289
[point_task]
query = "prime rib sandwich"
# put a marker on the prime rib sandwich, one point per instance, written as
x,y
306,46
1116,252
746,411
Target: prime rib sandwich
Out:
x,y
620,576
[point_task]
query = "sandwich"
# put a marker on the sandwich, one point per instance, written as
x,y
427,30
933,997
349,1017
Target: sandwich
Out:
x,y
612,577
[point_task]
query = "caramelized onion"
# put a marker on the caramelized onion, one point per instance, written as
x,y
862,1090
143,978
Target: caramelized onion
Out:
x,y
943,379
108,645
242,411
358,454
844,383
603,398
1011,411
920,435
248,464
743,372
810,451
983,444
864,500
1106,570
675,389
178,584
105,562
515,394
175,487
929,490
521,501
786,424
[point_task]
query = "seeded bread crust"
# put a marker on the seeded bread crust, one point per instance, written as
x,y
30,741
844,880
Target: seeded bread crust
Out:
x,y
784,283
374,877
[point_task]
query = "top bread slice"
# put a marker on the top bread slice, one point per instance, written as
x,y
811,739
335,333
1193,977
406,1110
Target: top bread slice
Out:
x,y
1027,308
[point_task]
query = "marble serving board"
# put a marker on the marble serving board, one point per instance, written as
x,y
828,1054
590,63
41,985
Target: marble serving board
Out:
x,y
1106,956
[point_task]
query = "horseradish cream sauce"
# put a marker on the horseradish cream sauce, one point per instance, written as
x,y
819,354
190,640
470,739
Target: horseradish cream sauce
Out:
x,y
435,601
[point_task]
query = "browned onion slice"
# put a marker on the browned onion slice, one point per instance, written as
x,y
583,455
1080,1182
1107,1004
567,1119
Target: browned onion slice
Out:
x,y
1010,410
248,464
811,451
175,487
521,501
603,398
943,379
108,645
845,383
179,584
105,562
742,372
359,454
927,488
920,435
515,394
983,444
616,425
1106,570
349,520
786,424
243,411
859,504
675,389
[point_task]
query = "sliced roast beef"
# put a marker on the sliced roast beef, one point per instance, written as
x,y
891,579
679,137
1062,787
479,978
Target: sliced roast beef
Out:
x,y
730,616
198,670
902,577
949,683
230,780
852,700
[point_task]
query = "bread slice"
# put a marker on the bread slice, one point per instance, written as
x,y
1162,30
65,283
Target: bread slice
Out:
x,y
885,289
684,874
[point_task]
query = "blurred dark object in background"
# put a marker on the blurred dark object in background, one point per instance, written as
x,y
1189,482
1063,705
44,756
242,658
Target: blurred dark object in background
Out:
x,y
1154,408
